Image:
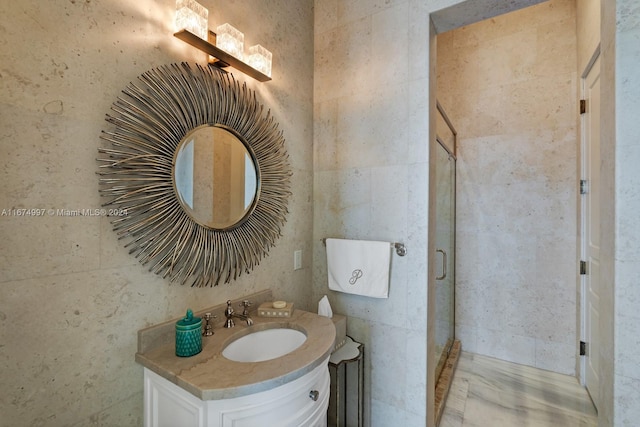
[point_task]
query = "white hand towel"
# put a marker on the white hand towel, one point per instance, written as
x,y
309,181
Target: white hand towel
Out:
x,y
359,267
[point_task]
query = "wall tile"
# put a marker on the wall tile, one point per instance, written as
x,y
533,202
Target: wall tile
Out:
x,y
388,378
468,336
389,198
325,15
371,183
390,38
419,39
627,205
416,377
556,357
627,402
325,150
504,346
417,132
353,10
348,50
627,15
628,347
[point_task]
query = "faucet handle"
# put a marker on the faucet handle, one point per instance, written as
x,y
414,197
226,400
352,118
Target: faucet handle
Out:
x,y
246,304
208,329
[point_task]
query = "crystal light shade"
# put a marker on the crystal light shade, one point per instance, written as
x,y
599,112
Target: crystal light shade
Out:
x,y
230,40
260,59
193,17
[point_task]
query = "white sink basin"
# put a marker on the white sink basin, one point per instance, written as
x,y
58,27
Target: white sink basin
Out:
x,y
264,345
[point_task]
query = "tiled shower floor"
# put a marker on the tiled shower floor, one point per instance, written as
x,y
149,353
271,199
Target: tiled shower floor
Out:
x,y
487,392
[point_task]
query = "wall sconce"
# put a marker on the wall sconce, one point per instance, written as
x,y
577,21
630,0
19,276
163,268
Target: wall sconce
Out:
x,y
193,17
260,59
231,40
227,47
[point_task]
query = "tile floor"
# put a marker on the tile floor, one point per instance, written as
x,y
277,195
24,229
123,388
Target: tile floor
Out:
x,y
487,392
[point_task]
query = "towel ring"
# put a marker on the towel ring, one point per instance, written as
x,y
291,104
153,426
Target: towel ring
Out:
x,y
400,248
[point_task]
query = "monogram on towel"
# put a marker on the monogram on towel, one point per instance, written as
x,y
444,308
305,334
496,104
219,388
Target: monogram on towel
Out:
x,y
355,275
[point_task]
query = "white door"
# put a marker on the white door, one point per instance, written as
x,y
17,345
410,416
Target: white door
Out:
x,y
591,227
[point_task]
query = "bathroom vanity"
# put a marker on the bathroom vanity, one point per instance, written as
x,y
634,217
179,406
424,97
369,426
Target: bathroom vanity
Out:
x,y
209,389
301,402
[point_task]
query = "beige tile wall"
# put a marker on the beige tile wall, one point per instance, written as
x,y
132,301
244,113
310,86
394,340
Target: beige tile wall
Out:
x,y
371,182
71,298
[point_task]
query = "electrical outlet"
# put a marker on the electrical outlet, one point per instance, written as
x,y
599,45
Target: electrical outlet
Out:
x,y
297,259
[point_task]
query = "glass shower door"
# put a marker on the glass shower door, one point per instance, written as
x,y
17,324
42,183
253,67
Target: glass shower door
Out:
x,y
445,242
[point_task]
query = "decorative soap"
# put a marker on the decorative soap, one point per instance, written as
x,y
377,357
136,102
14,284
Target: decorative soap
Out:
x,y
268,309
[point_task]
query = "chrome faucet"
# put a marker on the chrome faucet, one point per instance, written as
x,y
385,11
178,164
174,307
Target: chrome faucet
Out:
x,y
229,313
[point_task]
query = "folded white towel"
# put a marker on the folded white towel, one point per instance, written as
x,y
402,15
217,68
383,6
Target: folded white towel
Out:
x,y
359,267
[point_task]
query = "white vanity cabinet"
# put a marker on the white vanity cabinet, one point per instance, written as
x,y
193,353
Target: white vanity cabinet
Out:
x,y
302,402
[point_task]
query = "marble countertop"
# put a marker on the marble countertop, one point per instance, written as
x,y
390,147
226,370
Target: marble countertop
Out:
x,y
210,376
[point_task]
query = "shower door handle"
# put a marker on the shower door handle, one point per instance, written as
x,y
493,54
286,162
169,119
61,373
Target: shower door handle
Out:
x,y
444,265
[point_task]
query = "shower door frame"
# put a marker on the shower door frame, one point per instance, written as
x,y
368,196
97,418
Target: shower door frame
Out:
x,y
452,155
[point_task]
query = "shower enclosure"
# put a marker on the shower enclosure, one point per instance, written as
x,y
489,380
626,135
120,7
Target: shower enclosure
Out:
x,y
445,211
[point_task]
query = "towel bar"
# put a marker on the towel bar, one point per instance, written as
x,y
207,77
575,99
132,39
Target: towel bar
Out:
x,y
400,248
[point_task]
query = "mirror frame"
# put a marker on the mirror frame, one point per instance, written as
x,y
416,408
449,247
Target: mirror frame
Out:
x,y
136,173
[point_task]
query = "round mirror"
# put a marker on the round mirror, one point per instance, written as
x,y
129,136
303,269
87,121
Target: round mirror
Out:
x,y
215,178
200,168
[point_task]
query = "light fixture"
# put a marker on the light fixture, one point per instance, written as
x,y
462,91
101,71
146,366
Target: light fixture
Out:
x,y
193,17
226,47
260,59
222,58
231,40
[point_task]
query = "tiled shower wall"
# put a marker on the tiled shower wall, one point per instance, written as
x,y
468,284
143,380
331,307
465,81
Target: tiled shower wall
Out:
x,y
509,86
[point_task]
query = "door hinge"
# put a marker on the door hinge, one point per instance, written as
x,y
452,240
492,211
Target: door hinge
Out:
x,y
583,106
583,348
583,267
584,186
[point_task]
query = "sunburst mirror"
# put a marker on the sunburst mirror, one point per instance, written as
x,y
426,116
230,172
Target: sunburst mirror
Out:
x,y
198,169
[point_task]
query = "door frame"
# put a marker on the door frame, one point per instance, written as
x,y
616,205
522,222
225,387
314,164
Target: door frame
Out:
x,y
582,361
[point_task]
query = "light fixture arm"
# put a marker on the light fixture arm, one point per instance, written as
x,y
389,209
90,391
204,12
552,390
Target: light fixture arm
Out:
x,y
224,58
